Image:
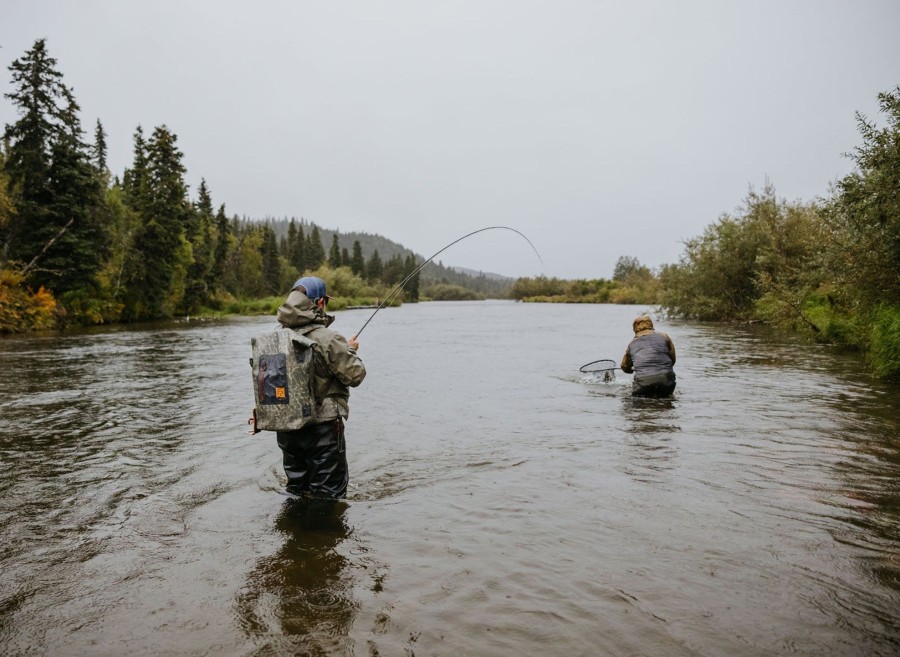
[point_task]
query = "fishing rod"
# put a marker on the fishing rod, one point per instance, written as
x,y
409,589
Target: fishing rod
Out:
x,y
415,271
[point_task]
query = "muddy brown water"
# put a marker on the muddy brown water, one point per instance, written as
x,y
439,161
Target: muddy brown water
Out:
x,y
501,503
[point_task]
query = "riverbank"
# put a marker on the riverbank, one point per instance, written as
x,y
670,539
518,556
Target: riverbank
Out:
x,y
140,517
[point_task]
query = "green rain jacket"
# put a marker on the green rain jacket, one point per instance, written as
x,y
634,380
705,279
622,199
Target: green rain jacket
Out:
x,y
338,368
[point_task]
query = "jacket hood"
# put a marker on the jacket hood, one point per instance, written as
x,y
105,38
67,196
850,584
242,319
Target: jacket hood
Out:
x,y
642,323
298,311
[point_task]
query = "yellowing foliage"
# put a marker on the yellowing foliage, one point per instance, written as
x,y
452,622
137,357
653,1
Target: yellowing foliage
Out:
x,y
22,309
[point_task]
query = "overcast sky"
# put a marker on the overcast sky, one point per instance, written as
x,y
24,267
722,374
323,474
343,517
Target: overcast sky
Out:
x,y
598,129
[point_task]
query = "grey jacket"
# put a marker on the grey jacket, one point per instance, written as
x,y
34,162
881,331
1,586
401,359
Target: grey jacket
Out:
x,y
338,368
649,353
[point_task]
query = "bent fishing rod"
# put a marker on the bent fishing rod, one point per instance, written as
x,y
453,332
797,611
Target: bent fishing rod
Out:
x,y
393,294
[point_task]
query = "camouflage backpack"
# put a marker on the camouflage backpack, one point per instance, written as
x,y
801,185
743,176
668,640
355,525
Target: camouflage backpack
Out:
x,y
283,365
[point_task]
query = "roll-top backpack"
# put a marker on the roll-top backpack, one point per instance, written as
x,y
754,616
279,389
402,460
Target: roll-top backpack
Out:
x,y
283,366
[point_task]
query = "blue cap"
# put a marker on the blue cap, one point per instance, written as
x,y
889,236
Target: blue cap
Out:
x,y
314,286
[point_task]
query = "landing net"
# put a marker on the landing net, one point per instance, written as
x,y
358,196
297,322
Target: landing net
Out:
x,y
600,370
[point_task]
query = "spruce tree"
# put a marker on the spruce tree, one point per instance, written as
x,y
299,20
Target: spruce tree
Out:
x,y
99,149
315,251
411,290
220,254
393,270
74,259
271,265
290,242
197,288
291,237
56,233
334,254
345,257
162,254
297,255
357,263
374,267
135,177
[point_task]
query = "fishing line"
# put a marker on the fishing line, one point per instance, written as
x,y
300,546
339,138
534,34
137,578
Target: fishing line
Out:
x,y
409,276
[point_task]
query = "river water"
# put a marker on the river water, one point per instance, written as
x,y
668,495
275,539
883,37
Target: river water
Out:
x,y
501,503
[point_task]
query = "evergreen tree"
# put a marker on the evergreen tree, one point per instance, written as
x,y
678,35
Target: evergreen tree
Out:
x,y
411,291
57,231
220,253
393,271
99,150
374,267
290,242
315,252
75,192
297,250
197,288
271,265
334,255
357,263
162,253
204,201
345,257
134,178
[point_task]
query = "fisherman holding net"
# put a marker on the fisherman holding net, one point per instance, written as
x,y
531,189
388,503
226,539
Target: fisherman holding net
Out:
x,y
650,356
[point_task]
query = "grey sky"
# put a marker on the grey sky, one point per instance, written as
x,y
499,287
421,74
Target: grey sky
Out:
x,y
598,129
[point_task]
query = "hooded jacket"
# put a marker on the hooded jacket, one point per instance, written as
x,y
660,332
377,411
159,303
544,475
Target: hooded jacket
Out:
x,y
338,368
650,352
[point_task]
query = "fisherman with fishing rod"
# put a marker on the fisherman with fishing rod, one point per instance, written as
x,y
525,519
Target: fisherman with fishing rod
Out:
x,y
651,357
302,375
315,455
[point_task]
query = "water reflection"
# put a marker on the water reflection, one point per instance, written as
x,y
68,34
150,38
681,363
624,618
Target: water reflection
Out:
x,y
650,425
869,512
647,415
299,600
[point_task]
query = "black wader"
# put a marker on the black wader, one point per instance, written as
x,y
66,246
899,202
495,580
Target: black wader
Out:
x,y
654,385
315,460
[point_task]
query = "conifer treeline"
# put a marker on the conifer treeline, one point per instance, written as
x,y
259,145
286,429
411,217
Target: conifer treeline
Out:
x,y
79,244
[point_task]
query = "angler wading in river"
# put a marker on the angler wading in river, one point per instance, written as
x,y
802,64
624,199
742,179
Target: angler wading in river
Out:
x,y
302,379
650,356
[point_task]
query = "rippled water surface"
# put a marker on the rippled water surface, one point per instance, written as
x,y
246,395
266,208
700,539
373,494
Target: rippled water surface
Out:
x,y
501,503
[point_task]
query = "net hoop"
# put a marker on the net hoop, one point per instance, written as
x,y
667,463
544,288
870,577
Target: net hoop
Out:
x,y
602,365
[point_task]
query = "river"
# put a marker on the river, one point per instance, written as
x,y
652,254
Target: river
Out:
x,y
501,503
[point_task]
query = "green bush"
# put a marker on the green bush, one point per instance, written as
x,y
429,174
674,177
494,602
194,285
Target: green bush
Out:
x,y
884,347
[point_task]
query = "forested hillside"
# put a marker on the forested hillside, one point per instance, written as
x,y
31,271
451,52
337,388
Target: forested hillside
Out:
x,y
81,244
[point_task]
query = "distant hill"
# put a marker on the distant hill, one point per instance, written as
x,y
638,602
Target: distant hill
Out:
x,y
486,274
488,284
